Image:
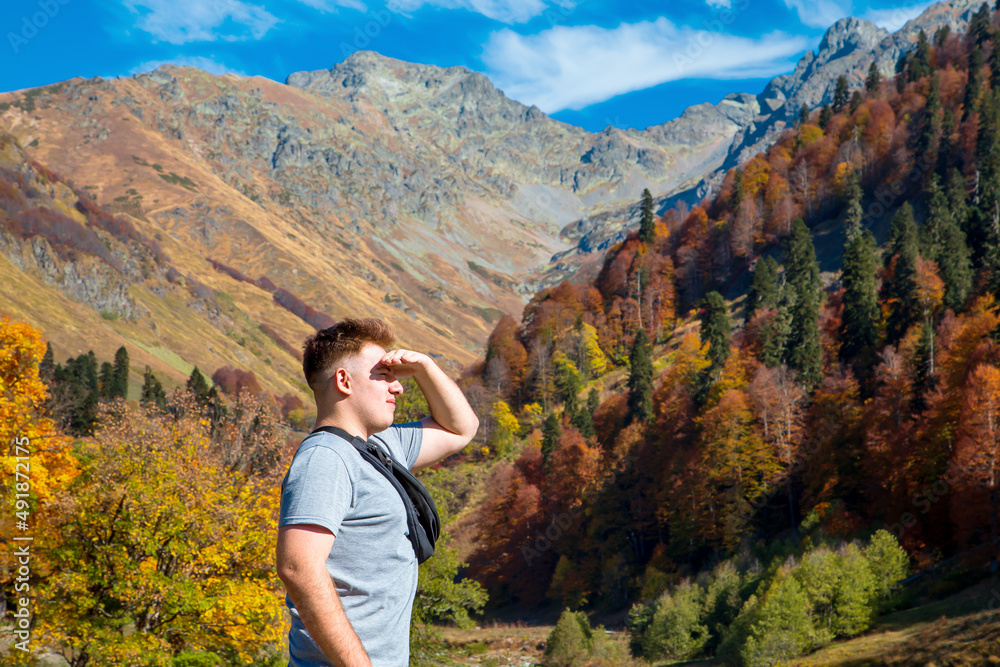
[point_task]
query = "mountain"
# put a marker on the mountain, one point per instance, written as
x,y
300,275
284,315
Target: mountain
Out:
x,y
416,192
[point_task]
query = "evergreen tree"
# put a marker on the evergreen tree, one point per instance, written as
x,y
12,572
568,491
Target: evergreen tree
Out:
x,y
856,101
938,217
716,330
775,335
106,380
197,384
859,323
119,382
840,93
763,292
930,134
647,223
974,85
853,208
47,367
874,79
583,421
958,200
995,68
900,290
981,26
551,431
78,388
803,114
804,352
640,380
955,265
152,390
945,144
941,36
920,63
825,114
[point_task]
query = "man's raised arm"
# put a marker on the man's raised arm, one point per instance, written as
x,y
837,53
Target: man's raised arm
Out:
x,y
452,423
301,556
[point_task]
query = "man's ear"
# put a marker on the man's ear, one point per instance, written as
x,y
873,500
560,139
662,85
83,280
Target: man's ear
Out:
x,y
342,381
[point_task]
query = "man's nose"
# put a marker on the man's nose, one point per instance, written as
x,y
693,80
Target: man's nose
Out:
x,y
396,388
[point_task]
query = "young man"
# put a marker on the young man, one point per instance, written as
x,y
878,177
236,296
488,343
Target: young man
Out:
x,y
343,555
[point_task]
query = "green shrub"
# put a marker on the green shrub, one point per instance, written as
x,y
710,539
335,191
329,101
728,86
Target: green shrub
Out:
x,y
676,630
780,624
568,644
889,564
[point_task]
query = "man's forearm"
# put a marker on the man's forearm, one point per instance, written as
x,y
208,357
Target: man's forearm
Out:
x,y
447,403
319,607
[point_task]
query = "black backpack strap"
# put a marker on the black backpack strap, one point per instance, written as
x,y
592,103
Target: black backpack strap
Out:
x,y
422,520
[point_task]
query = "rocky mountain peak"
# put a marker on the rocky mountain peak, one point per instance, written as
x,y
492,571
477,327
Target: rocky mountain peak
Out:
x,y
847,35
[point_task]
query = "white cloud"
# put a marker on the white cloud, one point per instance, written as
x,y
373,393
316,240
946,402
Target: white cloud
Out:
x,y
332,5
894,18
505,11
201,62
573,67
820,13
183,21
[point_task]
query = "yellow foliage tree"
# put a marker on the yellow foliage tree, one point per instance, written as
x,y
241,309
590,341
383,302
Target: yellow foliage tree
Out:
x,y
505,426
165,546
595,362
25,429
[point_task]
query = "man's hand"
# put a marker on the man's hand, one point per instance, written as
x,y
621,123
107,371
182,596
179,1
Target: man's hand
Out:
x,y
406,363
452,423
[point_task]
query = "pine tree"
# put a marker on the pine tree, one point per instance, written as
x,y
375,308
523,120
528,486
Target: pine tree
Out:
x,y
856,101
152,390
974,85
945,144
840,93
640,380
106,381
198,386
900,290
958,199
853,208
47,367
941,36
804,352
716,330
774,338
763,291
874,79
803,114
119,382
930,134
920,63
956,266
859,322
551,430
825,114
647,223
938,217
981,26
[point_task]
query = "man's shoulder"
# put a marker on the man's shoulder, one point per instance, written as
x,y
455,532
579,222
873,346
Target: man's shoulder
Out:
x,y
322,446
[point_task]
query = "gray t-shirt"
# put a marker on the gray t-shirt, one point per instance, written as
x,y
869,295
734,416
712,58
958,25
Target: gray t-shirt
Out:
x,y
372,563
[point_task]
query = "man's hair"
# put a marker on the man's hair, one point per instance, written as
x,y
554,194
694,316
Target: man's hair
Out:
x,y
345,338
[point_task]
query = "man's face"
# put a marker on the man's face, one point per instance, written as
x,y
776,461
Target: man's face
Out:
x,y
375,388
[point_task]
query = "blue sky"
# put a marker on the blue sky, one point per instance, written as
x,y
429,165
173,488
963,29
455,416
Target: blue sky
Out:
x,y
591,63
